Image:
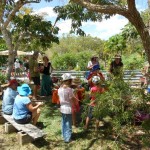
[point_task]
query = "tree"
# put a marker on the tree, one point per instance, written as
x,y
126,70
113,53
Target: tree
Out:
x,y
84,10
74,50
116,44
8,12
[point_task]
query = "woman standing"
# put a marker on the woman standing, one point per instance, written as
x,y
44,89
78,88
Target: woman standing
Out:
x,y
46,85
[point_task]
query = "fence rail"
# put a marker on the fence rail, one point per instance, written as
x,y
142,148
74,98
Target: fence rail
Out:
x,y
131,76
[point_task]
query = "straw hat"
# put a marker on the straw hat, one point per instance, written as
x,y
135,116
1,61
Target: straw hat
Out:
x,y
40,62
117,56
76,81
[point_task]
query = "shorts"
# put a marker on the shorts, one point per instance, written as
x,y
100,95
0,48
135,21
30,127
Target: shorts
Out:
x,y
36,80
90,112
25,120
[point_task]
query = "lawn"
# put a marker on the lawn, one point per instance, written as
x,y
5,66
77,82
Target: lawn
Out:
x,y
129,136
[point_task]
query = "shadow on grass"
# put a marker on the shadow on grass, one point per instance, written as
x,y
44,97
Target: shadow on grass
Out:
x,y
40,125
123,140
41,142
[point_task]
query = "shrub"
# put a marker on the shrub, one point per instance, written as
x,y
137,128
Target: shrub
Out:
x,y
2,78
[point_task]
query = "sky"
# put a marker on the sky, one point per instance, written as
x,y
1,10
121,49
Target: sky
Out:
x,y
103,30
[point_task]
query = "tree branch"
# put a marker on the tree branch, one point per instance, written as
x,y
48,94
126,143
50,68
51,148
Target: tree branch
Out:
x,y
2,4
131,4
18,5
107,9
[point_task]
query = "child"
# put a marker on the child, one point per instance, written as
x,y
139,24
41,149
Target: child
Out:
x,y
75,107
93,91
66,98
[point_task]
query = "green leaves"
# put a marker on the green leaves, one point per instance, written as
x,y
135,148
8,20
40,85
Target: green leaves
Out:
x,y
37,31
77,14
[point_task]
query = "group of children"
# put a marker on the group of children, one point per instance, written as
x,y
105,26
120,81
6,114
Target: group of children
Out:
x,y
70,95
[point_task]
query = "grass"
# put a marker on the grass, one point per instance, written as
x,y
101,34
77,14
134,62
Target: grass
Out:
x,y
50,122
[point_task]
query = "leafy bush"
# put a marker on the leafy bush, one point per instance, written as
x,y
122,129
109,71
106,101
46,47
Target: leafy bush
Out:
x,y
68,61
118,104
135,61
2,78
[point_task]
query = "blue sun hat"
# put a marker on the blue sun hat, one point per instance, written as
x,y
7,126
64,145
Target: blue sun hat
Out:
x,y
96,67
24,90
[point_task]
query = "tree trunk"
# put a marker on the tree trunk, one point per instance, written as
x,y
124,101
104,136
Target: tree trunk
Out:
x,y
8,40
135,18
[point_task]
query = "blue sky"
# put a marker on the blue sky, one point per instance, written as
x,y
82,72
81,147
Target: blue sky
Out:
x,y
103,30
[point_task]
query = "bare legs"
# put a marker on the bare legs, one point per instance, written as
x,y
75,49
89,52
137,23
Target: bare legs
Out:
x,y
35,116
35,90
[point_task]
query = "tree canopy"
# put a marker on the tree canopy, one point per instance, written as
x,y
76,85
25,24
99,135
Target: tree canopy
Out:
x,y
95,10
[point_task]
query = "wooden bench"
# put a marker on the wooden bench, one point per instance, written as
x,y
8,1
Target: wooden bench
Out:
x,y
26,132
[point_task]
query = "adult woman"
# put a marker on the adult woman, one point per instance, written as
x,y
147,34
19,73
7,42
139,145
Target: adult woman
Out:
x,y
23,110
34,73
92,62
46,84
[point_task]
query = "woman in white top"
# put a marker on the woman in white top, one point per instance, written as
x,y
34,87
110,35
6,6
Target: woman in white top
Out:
x,y
66,98
92,62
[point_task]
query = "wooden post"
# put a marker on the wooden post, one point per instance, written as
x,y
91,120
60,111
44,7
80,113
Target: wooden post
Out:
x,y
23,138
9,128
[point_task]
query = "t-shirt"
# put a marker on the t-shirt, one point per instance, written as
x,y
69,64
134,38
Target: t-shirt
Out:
x,y
32,64
17,65
20,110
65,96
8,100
114,67
95,90
90,63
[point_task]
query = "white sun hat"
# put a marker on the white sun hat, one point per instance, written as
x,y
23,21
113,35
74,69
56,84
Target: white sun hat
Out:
x,y
96,79
66,76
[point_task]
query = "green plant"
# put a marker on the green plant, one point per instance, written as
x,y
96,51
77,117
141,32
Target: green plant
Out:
x,y
114,104
2,78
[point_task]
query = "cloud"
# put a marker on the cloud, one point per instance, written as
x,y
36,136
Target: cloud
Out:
x,y
106,28
64,26
46,10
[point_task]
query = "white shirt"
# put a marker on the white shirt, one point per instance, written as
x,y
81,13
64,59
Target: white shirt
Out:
x,y
65,96
17,65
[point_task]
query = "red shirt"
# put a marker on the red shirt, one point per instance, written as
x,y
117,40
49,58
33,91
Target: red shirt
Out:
x,y
95,90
